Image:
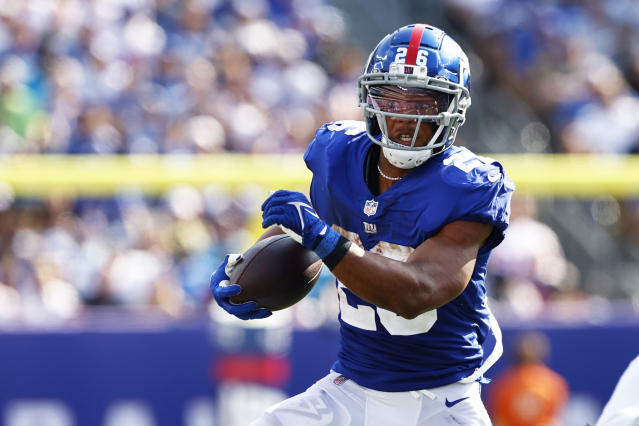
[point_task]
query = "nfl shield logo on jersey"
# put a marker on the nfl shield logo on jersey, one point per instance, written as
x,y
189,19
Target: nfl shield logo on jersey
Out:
x,y
370,208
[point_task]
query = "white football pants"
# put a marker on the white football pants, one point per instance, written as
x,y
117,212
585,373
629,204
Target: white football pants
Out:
x,y
337,402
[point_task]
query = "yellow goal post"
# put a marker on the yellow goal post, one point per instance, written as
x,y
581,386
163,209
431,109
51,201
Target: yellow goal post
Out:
x,y
540,175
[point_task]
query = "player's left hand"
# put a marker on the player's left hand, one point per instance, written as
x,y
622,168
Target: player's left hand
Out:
x,y
293,210
223,290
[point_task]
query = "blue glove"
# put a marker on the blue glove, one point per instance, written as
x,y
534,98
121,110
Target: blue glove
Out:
x,y
222,290
292,210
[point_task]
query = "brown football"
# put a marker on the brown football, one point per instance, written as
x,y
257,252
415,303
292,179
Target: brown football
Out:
x,y
276,273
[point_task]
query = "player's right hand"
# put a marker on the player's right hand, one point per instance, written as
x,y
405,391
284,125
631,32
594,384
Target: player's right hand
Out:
x,y
223,290
293,211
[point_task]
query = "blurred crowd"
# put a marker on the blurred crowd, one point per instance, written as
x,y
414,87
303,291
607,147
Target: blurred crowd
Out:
x,y
59,255
574,63
259,76
166,76
153,76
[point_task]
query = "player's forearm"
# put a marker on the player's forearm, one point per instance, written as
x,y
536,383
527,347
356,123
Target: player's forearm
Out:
x,y
408,289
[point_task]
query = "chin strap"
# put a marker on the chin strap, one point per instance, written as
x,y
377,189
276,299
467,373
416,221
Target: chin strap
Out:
x,y
404,159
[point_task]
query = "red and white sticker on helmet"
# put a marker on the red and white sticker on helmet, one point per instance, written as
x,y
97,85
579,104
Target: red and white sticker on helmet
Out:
x,y
413,45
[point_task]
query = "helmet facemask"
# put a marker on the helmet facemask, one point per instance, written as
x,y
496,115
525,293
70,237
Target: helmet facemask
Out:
x,y
430,105
408,116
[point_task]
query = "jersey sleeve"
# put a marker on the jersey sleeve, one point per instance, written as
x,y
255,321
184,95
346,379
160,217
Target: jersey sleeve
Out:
x,y
331,144
316,161
483,194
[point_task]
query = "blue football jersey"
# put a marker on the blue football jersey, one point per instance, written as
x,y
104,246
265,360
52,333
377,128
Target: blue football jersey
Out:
x,y
456,342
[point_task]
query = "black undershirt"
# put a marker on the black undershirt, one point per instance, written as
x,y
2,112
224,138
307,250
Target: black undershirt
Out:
x,y
370,169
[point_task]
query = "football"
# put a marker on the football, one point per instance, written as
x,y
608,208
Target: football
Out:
x,y
276,273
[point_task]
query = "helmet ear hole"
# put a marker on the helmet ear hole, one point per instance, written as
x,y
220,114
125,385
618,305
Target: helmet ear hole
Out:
x,y
373,125
371,119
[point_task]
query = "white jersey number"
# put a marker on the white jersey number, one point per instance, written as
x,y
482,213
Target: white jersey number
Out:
x,y
465,161
349,127
363,316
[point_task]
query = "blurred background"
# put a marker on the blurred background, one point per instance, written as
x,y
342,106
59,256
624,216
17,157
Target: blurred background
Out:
x,y
138,139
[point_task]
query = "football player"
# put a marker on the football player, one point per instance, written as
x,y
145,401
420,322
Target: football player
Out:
x,y
406,221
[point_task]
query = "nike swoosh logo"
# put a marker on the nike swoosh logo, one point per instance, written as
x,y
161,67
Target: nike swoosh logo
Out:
x,y
298,205
455,402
